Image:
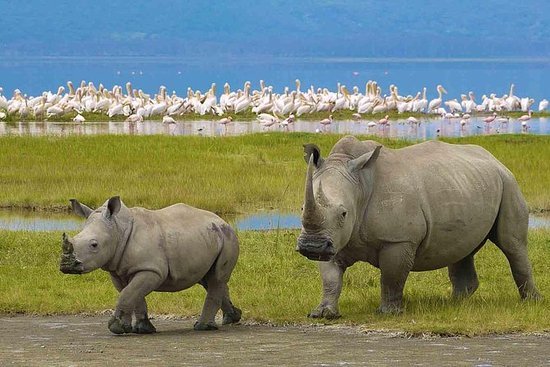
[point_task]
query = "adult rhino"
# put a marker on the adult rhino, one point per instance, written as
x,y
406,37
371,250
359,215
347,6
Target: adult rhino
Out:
x,y
423,207
164,250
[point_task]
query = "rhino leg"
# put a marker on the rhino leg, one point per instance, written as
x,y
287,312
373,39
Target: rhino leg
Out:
x,y
510,235
142,325
212,303
463,277
130,298
395,261
231,314
332,275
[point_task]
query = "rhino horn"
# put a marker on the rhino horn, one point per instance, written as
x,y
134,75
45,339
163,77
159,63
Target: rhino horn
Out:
x,y
67,245
311,214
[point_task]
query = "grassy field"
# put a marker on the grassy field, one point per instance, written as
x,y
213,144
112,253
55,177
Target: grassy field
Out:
x,y
225,175
272,283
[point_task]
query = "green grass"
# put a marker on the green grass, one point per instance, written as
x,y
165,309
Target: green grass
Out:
x,y
225,175
272,283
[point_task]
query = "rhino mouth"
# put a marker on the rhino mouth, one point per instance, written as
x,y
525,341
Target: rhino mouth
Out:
x,y
70,265
318,249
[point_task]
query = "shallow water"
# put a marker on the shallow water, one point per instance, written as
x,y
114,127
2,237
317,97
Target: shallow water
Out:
x,y
429,128
32,75
42,222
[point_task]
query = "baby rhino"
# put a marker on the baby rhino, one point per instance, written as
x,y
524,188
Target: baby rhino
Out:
x,y
165,250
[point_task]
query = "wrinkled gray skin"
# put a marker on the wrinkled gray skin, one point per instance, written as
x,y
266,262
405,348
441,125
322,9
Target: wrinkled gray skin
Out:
x,y
423,207
164,250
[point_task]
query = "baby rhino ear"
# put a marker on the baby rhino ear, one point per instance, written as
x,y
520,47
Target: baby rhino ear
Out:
x,y
113,207
80,209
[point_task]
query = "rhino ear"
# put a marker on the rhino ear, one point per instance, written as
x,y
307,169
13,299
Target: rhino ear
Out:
x,y
80,209
364,160
312,149
113,206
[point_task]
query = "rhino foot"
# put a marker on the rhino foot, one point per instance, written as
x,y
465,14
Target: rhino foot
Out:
x,y
203,326
232,317
118,326
389,310
144,326
326,312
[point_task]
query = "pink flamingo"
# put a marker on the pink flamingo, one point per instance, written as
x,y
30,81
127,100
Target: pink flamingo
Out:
x,y
491,118
525,117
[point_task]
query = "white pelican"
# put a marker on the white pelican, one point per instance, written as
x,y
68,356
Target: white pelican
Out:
x,y
371,124
453,105
79,118
412,120
356,116
168,120
543,105
435,103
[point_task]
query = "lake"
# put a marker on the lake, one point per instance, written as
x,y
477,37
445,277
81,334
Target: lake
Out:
x,y
32,75
429,128
15,220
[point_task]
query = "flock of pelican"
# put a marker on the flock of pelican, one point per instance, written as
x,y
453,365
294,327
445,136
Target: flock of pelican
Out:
x,y
270,107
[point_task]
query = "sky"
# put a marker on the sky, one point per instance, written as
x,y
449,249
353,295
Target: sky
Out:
x,y
276,28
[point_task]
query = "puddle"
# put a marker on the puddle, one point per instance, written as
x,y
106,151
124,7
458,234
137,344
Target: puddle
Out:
x,y
429,128
43,222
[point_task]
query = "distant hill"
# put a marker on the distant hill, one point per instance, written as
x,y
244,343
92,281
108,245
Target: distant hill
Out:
x,y
240,28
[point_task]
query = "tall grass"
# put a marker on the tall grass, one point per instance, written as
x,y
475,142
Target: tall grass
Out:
x,y
225,175
272,283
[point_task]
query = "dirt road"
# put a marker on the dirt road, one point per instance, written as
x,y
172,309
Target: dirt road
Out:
x,y
86,341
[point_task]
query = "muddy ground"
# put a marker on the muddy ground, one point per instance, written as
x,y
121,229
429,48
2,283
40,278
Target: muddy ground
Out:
x,y
86,341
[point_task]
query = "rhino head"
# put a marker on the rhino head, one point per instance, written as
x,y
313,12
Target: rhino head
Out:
x,y
336,192
96,244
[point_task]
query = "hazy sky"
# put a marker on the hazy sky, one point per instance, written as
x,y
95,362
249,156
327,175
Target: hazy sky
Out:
x,y
277,27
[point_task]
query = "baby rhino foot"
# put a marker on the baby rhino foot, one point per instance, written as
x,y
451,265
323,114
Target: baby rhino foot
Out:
x,y
144,326
118,326
327,312
232,317
202,326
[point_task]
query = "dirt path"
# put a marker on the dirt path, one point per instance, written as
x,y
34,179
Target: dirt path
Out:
x,y
86,341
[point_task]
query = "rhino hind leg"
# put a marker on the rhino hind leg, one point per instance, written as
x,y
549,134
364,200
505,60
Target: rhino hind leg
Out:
x,y
463,277
510,235
217,291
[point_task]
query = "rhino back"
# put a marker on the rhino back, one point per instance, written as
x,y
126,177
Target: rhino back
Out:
x,y
441,196
180,242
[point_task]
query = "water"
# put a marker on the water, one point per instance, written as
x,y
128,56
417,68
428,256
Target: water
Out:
x,y
429,128
32,75
42,222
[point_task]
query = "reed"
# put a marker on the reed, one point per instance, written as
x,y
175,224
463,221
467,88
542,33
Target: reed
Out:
x,y
272,283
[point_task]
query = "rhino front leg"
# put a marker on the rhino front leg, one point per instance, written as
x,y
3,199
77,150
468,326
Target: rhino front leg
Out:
x,y
143,325
395,261
332,276
130,299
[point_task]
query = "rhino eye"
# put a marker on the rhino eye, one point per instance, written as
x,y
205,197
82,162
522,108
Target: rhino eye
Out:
x,y
93,245
344,214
